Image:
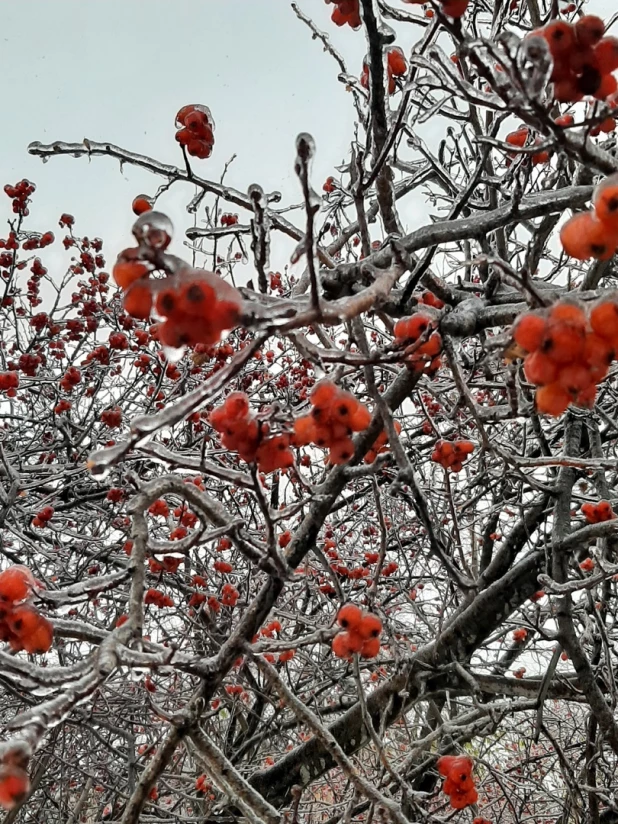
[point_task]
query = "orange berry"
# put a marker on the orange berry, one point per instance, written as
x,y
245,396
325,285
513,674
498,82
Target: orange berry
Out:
x,y
126,273
583,236
341,647
563,343
568,313
454,8
607,126
413,327
369,627
589,29
397,61
14,786
565,120
361,419
566,90
605,511
166,302
432,347
560,37
598,351
529,331
605,202
16,583
607,87
552,399
35,632
574,377
141,204
445,764
460,800
138,301
196,298
349,616
236,405
341,451
519,137
466,447
539,369
343,408
304,430
604,320
606,55
587,396
370,648
323,393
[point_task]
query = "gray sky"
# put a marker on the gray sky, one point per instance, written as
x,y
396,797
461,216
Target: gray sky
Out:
x,y
118,70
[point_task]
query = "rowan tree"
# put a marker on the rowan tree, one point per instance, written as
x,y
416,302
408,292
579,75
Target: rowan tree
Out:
x,y
339,546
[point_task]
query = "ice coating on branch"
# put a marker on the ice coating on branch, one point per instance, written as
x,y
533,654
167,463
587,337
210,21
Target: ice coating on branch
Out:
x,y
305,152
305,146
101,462
153,229
256,193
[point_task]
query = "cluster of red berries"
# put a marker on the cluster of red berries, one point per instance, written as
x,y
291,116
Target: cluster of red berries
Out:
x,y
168,563
594,233
452,454
596,513
409,331
46,239
112,417
520,635
243,433
361,633
196,306
459,783
196,130
158,598
335,415
9,383
20,194
43,516
519,138
229,219
452,8
569,352
396,66
70,379
14,781
229,595
202,786
159,508
269,630
583,58
346,12
21,624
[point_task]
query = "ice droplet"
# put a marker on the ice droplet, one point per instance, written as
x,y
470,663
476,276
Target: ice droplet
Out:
x,y
100,462
256,194
153,229
305,146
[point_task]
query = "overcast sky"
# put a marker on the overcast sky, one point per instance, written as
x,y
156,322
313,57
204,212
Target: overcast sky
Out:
x,y
118,70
